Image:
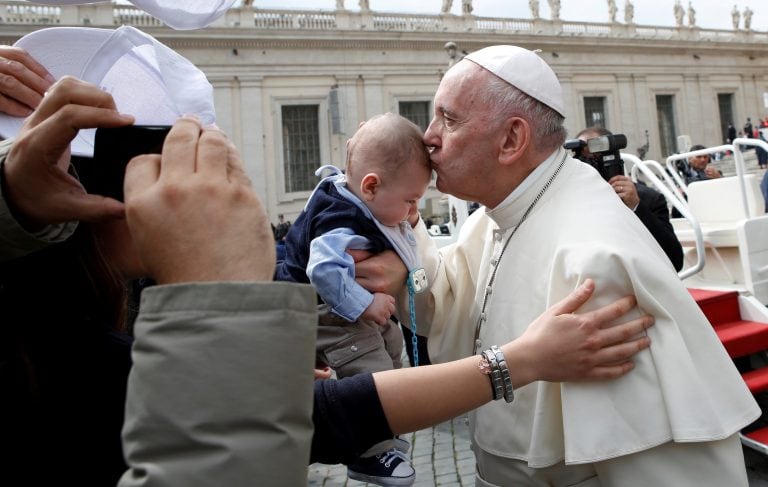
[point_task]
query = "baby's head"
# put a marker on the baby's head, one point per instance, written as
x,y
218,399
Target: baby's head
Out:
x,y
388,167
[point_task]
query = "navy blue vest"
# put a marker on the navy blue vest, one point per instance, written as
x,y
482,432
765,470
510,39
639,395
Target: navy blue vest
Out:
x,y
327,210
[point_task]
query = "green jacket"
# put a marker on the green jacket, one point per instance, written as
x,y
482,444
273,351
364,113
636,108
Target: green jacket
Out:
x,y
220,393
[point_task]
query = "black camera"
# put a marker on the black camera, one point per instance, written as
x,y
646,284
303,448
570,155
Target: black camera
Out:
x,y
113,149
602,153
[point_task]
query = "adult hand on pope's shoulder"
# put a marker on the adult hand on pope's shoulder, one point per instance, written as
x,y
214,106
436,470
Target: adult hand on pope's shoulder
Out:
x,y
563,346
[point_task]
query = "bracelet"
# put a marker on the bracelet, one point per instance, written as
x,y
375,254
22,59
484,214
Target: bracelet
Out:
x,y
509,391
490,367
494,365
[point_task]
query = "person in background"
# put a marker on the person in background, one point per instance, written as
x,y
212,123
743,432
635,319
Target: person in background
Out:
x,y
698,168
648,205
280,231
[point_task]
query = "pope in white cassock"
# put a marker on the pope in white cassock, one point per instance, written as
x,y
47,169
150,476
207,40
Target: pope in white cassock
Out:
x,y
550,222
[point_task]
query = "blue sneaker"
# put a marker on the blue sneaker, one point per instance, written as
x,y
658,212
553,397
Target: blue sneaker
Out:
x,y
390,468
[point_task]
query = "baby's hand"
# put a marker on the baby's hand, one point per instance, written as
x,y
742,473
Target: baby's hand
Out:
x,y
380,309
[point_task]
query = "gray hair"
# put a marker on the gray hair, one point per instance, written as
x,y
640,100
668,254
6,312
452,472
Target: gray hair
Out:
x,y
547,125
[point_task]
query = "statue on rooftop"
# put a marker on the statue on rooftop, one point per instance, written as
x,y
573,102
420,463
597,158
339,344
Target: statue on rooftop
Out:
x,y
747,18
554,8
679,13
339,4
736,16
534,6
629,12
446,8
364,6
691,15
612,11
466,7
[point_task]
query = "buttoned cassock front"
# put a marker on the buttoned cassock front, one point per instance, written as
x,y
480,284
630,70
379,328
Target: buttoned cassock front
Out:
x,y
684,388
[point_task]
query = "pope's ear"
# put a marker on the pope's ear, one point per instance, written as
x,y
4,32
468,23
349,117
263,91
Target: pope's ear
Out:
x,y
369,185
516,139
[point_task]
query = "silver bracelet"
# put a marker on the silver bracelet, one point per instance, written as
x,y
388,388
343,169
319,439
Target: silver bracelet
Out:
x,y
509,391
497,383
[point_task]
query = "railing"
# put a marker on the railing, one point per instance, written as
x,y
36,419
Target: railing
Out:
x,y
125,15
648,168
406,22
107,14
18,13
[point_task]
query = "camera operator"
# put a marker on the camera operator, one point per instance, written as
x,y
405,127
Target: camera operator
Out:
x,y
649,205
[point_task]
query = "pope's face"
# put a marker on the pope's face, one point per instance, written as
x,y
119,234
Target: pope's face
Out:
x,y
463,134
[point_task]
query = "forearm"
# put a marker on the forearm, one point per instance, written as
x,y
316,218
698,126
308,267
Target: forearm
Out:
x,y
449,389
220,391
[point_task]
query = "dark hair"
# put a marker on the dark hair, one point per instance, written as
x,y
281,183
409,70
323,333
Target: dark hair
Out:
x,y
62,296
596,130
696,147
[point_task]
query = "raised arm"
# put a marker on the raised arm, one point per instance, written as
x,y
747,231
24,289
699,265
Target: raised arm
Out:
x,y
558,346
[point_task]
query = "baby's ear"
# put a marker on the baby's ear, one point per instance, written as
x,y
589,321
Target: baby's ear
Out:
x,y
369,185
361,124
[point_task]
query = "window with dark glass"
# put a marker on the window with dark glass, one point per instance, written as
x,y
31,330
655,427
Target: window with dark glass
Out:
x,y
301,146
594,111
665,114
416,111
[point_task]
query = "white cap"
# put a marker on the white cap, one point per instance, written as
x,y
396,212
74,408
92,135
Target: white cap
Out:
x,y
524,70
179,14
146,78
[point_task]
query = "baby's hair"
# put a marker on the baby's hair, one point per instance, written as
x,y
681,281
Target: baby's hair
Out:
x,y
384,144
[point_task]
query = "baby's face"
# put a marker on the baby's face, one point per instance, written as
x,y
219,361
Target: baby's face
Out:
x,y
398,196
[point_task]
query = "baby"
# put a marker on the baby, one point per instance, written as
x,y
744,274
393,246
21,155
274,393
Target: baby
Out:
x,y
387,171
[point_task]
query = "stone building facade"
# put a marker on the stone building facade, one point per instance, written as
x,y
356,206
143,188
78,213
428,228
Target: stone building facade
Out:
x,y
292,86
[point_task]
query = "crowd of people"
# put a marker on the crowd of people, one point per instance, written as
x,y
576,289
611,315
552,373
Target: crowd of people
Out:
x,y
546,301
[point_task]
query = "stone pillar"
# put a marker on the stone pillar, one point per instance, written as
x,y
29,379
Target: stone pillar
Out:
x,y
692,118
646,117
349,110
751,100
627,108
248,117
237,17
373,98
573,120
226,99
709,112
70,14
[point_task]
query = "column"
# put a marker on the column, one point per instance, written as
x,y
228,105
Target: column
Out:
x,y
708,130
692,118
627,108
646,117
349,113
250,132
570,104
373,99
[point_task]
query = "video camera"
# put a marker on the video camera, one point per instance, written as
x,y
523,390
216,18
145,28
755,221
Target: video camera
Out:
x,y
603,153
